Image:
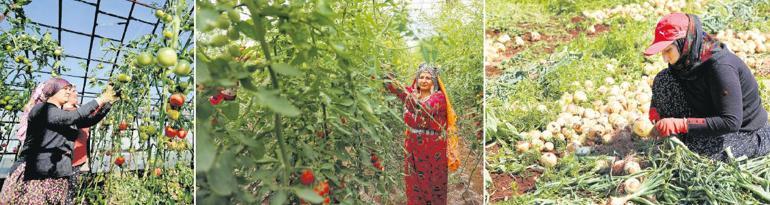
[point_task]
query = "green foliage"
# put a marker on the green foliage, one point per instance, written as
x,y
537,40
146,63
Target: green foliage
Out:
x,y
310,96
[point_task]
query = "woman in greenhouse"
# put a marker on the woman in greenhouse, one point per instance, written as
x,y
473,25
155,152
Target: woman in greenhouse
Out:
x,y
79,154
429,117
707,95
41,175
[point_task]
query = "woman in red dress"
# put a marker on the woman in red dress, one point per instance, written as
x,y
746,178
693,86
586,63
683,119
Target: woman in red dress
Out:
x,y
428,115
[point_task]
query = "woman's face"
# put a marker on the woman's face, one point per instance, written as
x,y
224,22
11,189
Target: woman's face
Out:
x,y
73,98
425,81
62,96
670,54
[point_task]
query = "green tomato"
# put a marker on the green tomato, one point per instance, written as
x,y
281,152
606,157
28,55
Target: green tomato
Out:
x,y
168,34
233,34
7,98
151,129
99,66
168,18
159,13
182,68
167,56
223,22
123,78
8,47
9,107
218,40
234,50
144,59
57,52
183,85
234,15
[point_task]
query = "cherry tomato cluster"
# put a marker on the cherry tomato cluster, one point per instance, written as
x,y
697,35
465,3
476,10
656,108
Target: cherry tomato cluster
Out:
x,y
228,94
376,162
322,189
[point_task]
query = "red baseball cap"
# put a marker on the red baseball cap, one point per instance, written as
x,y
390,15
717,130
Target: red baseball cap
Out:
x,y
671,27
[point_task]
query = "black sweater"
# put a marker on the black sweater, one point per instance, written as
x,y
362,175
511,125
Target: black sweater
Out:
x,y
48,147
724,92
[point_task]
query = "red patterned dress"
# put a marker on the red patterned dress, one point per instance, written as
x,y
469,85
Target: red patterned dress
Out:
x,y
425,165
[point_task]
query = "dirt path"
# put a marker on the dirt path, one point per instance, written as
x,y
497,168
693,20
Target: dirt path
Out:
x,y
466,185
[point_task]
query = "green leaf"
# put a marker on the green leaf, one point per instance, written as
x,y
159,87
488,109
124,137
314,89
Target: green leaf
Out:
x,y
286,69
279,198
232,110
249,84
205,152
220,177
277,103
308,195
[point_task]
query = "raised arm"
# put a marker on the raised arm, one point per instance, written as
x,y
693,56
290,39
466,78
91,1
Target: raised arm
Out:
x,y
96,116
60,118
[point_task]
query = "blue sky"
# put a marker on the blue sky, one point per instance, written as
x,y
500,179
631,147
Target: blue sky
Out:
x,y
78,15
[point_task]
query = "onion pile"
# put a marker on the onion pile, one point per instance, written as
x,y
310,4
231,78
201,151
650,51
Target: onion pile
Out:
x,y
639,12
625,108
746,45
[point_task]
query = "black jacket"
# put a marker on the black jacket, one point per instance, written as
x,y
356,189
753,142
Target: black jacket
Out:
x,y
48,147
724,92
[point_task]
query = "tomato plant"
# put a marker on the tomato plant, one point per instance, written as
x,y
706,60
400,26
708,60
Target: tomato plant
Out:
x,y
26,51
130,159
290,91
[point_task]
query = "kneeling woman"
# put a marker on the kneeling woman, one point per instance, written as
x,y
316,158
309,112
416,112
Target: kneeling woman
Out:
x,y
707,95
428,116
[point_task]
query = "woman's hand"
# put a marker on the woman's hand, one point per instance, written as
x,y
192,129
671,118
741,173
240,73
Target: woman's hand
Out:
x,y
671,126
108,95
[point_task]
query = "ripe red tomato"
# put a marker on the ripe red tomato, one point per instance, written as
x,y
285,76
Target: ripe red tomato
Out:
x,y
119,161
158,172
123,126
215,100
176,100
171,132
307,177
182,133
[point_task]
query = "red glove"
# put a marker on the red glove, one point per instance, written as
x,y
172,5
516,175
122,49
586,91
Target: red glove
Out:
x,y
654,116
671,126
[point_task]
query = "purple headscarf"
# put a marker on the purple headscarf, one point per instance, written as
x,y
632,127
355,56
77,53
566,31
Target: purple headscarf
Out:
x,y
41,94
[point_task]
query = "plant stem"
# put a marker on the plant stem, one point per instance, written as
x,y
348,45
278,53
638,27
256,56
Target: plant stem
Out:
x,y
277,117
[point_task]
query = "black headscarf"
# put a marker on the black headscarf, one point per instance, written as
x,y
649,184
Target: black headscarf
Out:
x,y
694,49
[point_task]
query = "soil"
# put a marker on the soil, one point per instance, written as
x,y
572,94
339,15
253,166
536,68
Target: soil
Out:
x,y
552,41
469,189
503,184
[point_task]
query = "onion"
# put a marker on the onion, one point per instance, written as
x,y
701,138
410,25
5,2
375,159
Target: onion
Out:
x,y
632,167
535,36
548,147
643,127
617,167
504,38
522,146
519,41
548,159
580,96
631,185
537,143
616,201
